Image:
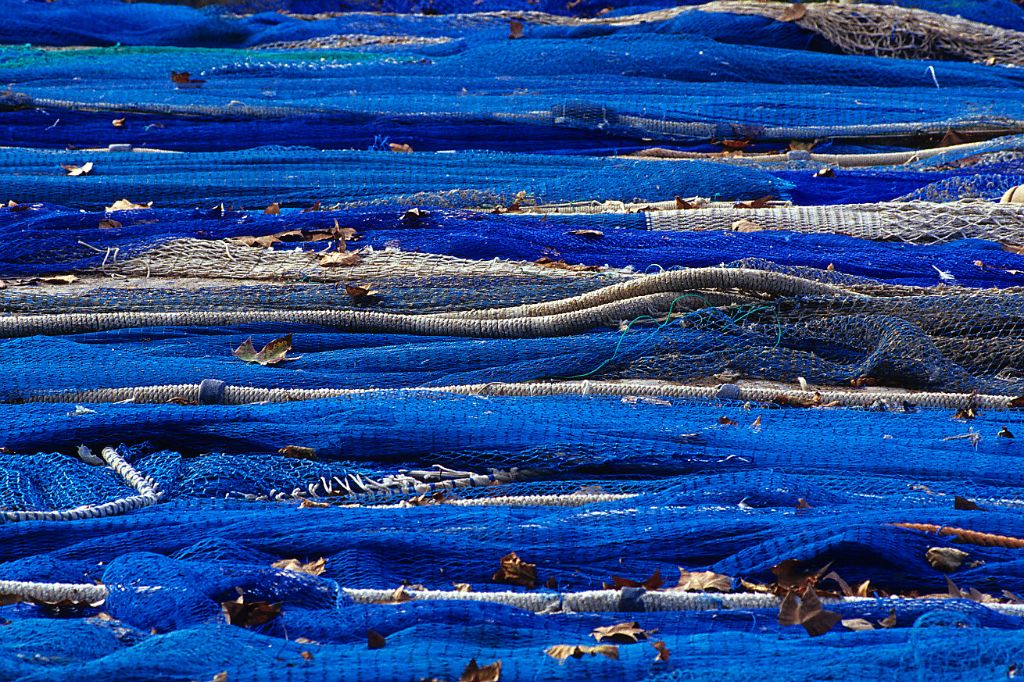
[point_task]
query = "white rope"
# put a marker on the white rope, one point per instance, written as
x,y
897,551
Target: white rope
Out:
x,y
52,593
242,395
147,496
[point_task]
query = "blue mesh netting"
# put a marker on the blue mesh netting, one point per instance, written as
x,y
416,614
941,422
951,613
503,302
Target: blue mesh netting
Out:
x,y
145,464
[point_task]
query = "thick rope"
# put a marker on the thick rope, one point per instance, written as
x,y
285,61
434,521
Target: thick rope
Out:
x,y
243,395
971,537
147,496
54,593
553,318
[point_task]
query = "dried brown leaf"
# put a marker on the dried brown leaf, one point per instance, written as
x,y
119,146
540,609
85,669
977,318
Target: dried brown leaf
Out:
x,y
183,79
108,224
400,147
562,652
652,583
963,504
562,265
245,613
744,225
126,205
702,581
760,202
340,258
663,651
515,29
620,633
315,567
857,624
375,640
462,587
312,504
589,234
273,209
807,611
515,571
297,452
477,673
945,559
75,171
361,294
273,353
794,12
117,123
58,279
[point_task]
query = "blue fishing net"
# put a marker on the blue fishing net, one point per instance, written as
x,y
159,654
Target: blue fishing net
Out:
x,y
428,340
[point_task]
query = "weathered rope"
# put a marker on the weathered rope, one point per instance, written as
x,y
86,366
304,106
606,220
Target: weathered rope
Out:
x,y
971,537
553,318
243,395
147,496
53,593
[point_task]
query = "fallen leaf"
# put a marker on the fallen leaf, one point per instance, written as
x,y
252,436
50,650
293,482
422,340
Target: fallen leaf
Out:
x,y
362,294
125,205
793,574
515,29
952,138
702,581
515,571
297,452
726,421
312,209
889,621
806,610
734,145
652,583
117,123
477,673
663,652
1004,433
562,265
1016,402
857,624
375,640
15,207
620,633
75,171
825,173
945,559
760,202
109,224
273,209
965,413
244,613
683,204
273,353
963,504
306,655
589,234
562,652
414,215
398,147
340,258
744,225
183,79
315,567
462,587
801,503
794,12
58,279
222,676
312,504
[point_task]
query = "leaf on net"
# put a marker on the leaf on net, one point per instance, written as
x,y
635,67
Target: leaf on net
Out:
x,y
245,613
620,633
273,353
702,581
315,567
515,571
652,583
807,611
563,652
75,171
794,12
663,651
375,640
477,673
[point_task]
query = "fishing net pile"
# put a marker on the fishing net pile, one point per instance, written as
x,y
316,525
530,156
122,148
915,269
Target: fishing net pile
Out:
x,y
511,341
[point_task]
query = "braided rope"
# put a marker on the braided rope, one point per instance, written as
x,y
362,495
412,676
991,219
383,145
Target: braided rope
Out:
x,y
971,537
147,496
552,318
244,395
53,593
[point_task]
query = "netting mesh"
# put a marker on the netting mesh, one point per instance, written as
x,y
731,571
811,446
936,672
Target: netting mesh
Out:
x,y
429,340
